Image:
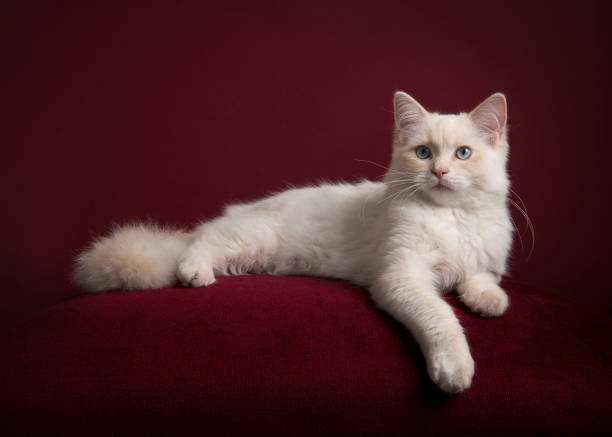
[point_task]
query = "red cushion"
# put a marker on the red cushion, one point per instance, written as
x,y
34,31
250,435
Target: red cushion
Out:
x,y
295,356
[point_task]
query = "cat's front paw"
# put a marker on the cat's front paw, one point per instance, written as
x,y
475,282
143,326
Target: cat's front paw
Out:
x,y
450,364
195,272
489,301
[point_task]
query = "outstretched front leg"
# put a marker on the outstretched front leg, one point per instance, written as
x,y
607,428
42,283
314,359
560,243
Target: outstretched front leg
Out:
x,y
482,294
406,291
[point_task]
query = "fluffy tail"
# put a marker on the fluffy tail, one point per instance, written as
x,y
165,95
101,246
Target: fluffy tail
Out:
x,y
132,257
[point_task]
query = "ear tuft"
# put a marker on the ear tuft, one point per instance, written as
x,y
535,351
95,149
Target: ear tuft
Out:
x,y
407,111
490,117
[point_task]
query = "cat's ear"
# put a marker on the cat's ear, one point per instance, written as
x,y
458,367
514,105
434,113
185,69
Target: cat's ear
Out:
x,y
407,111
490,117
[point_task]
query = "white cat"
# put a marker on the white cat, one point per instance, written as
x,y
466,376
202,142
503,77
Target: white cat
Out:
x,y
439,221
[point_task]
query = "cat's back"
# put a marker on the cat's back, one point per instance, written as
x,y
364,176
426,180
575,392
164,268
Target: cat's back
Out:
x,y
323,230
312,201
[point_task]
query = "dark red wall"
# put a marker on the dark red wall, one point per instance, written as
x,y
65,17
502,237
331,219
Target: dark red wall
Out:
x,y
118,112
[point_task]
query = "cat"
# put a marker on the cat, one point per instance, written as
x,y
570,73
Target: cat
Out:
x,y
438,221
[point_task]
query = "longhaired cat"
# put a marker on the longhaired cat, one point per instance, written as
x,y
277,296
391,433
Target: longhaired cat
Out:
x,y
438,221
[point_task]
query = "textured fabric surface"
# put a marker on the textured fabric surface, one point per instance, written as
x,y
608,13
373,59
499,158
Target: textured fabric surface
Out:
x,y
295,356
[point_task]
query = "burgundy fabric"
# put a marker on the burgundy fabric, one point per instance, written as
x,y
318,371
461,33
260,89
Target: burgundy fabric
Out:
x,y
296,356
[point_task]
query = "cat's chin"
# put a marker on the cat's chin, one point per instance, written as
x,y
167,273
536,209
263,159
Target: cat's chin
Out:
x,y
443,195
440,187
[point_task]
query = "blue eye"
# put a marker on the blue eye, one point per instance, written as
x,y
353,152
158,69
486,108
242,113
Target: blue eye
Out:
x,y
463,152
423,152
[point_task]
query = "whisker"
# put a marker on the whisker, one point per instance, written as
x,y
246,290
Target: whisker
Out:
x,y
528,222
373,163
401,181
396,194
518,233
519,198
522,204
365,203
387,169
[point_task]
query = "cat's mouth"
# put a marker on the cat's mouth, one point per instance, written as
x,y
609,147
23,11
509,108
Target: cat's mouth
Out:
x,y
439,186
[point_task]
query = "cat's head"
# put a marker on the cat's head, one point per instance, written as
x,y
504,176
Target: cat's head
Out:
x,y
449,158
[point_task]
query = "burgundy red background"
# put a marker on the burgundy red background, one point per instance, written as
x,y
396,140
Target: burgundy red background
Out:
x,y
117,112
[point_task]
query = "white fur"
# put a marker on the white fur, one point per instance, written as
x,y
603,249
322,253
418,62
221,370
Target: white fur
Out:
x,y
408,238
134,257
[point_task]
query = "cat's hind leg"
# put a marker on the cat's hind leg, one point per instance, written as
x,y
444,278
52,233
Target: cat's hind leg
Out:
x,y
237,243
483,295
195,266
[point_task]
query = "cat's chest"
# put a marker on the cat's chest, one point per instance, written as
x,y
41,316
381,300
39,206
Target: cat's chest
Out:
x,y
451,231
458,243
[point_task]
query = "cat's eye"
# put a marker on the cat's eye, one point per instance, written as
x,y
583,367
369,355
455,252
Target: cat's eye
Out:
x,y
423,152
463,152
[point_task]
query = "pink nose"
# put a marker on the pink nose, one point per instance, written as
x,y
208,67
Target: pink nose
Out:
x,y
439,173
